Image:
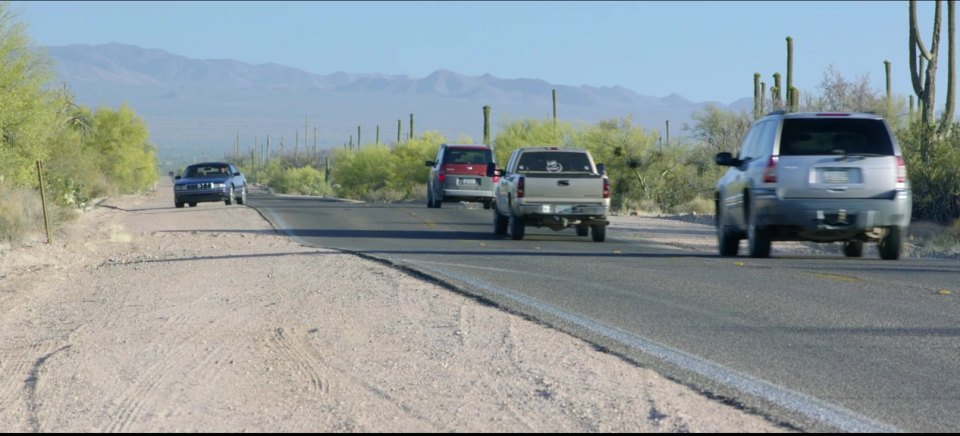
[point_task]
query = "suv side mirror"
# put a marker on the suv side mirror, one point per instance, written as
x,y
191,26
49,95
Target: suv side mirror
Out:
x,y
602,169
429,163
492,170
726,159
176,178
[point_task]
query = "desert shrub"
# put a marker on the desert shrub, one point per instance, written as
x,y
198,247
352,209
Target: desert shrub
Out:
x,y
932,164
359,172
305,180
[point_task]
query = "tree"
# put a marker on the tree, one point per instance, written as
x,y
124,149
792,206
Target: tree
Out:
x,y
26,119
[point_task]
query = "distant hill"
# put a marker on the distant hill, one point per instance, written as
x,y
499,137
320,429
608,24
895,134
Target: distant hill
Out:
x,y
197,107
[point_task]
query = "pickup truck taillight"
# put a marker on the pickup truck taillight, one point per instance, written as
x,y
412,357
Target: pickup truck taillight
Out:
x,y
606,188
520,187
901,170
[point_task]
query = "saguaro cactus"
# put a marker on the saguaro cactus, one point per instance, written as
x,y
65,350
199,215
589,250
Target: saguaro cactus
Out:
x,y
924,79
554,106
791,104
378,135
763,98
757,96
399,126
358,137
411,126
486,125
775,92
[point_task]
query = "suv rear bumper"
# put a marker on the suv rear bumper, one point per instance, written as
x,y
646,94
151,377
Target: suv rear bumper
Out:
x,y
829,219
467,194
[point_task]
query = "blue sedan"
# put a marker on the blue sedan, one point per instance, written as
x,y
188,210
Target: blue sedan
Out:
x,y
210,181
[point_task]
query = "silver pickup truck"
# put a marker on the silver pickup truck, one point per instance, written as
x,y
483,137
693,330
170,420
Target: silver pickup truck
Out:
x,y
552,187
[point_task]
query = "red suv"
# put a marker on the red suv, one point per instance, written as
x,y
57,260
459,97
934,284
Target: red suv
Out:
x,y
460,174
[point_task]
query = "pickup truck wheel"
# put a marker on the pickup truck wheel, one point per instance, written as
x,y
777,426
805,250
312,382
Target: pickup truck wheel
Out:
x,y
598,232
891,244
500,223
853,248
758,239
583,230
178,204
517,227
229,200
192,204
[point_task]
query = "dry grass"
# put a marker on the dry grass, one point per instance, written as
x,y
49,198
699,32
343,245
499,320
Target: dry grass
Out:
x,y
21,216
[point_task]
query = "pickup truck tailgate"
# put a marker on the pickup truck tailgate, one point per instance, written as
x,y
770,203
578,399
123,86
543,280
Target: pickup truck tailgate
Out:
x,y
557,189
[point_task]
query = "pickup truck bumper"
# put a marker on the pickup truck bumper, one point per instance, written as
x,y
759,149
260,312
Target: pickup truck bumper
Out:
x,y
561,210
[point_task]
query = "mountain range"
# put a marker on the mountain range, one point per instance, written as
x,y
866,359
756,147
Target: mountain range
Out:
x,y
196,108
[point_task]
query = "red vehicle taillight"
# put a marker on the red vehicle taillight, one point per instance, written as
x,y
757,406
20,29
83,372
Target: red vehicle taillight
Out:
x,y
901,170
770,172
496,179
520,187
606,188
442,177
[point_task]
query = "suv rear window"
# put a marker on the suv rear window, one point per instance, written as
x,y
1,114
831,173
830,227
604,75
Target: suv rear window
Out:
x,y
467,156
825,136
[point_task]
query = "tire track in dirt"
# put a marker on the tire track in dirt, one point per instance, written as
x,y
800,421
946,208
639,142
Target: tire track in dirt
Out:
x,y
306,364
17,366
30,386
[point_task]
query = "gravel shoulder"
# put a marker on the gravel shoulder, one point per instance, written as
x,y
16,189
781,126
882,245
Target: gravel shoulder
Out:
x,y
144,318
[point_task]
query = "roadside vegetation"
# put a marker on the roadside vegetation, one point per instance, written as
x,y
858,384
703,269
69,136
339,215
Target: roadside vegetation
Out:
x,y
85,153
89,153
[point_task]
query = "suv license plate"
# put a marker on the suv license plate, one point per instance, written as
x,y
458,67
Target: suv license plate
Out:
x,y
472,182
836,176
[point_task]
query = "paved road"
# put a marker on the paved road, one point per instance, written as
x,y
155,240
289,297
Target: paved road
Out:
x,y
819,342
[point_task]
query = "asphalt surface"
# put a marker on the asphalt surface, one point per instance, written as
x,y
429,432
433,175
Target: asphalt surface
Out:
x,y
819,343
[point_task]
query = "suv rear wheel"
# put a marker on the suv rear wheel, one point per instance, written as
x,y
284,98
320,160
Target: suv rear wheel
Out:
x,y
726,241
758,237
853,249
891,244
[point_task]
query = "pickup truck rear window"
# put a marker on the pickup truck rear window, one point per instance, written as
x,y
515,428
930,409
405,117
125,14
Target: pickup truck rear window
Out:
x,y
463,156
554,162
827,136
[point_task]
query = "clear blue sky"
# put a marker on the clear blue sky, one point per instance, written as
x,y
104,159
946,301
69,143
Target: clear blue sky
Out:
x,y
705,51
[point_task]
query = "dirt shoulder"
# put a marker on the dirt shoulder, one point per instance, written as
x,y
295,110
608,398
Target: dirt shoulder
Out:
x,y
145,318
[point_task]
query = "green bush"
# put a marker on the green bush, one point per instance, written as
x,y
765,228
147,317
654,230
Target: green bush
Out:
x,y
305,180
932,166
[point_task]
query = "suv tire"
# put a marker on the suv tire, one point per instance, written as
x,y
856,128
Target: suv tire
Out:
x,y
891,244
728,244
758,238
853,248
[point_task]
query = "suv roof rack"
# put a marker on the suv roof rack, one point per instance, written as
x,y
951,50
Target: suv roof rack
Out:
x,y
779,112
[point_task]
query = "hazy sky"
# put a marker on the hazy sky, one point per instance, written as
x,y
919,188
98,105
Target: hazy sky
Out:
x,y
704,51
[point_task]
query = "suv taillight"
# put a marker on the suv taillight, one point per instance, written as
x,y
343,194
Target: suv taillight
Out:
x,y
520,187
606,187
901,170
442,177
770,172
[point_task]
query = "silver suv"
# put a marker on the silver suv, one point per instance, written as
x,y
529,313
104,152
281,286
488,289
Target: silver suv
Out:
x,y
822,177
